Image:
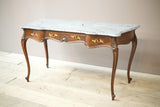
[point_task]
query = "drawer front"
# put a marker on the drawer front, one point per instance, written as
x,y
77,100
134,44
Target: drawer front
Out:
x,y
34,34
64,37
93,41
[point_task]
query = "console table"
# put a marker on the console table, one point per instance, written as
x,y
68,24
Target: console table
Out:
x,y
93,34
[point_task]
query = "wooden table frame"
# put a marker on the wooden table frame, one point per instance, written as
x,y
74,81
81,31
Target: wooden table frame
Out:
x,y
91,41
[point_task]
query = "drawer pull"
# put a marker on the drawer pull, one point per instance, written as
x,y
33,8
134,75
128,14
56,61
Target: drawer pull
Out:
x,y
99,41
63,39
34,34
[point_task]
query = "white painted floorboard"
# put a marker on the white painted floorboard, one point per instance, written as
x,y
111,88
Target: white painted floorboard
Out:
x,y
67,84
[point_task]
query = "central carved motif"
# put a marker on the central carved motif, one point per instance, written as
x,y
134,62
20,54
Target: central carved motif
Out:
x,y
64,39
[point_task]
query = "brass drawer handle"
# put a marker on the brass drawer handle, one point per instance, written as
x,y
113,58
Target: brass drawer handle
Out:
x,y
52,35
99,41
34,34
64,38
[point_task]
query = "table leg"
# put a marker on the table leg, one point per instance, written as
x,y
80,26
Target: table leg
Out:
x,y
134,45
46,51
23,43
115,59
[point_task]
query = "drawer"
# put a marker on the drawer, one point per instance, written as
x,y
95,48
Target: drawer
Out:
x,y
34,34
64,36
93,41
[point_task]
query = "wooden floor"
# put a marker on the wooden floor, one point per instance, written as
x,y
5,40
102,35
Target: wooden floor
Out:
x,y
67,84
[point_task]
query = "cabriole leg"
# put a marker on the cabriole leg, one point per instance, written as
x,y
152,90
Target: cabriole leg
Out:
x,y
46,51
23,43
115,59
134,45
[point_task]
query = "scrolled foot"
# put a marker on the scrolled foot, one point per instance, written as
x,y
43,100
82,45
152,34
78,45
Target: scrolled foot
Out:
x,y
129,80
113,96
47,66
27,79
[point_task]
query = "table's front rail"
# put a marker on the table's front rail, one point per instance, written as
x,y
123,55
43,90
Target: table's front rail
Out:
x,y
90,40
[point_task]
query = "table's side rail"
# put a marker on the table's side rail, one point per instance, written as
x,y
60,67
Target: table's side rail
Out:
x,y
125,38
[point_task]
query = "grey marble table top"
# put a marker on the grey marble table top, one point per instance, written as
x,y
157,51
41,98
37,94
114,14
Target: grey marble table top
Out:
x,y
93,28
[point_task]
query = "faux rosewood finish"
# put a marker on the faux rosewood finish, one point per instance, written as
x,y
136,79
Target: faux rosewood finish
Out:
x,y
91,41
